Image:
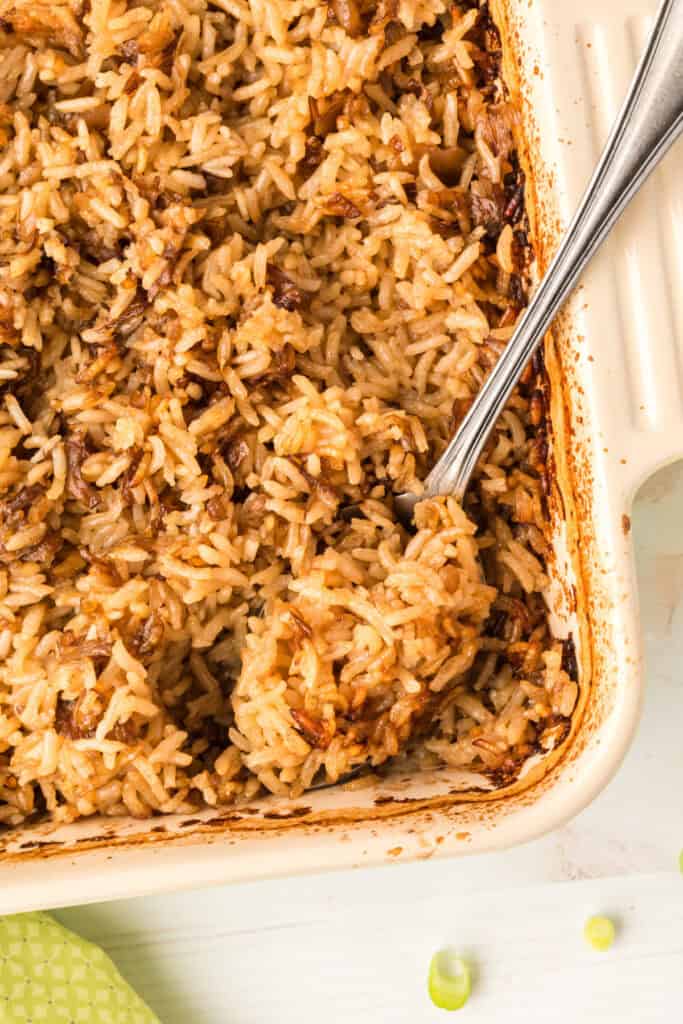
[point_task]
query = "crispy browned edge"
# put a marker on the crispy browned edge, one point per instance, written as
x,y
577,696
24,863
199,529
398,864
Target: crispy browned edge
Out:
x,y
562,503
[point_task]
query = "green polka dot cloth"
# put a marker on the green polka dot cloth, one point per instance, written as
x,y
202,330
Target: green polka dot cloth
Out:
x,y
48,975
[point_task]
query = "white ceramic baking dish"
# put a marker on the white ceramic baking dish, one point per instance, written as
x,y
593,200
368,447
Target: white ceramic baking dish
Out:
x,y
615,367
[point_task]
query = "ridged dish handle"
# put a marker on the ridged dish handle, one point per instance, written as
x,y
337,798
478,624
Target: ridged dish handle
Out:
x,y
631,402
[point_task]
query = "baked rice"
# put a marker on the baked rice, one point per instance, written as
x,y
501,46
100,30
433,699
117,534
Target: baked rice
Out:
x,y
255,259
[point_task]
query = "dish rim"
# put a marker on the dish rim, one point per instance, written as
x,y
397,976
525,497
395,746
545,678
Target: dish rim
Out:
x,y
336,833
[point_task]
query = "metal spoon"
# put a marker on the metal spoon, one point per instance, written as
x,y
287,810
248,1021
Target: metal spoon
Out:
x,y
650,120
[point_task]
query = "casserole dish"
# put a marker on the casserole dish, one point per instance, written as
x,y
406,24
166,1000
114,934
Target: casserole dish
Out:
x,y
614,375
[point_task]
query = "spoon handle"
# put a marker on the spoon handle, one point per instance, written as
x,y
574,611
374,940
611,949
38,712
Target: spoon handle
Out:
x,y
649,122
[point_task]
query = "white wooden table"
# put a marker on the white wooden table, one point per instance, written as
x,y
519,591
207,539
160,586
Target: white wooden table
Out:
x,y
356,946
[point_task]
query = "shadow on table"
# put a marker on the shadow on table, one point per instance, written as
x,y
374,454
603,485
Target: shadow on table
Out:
x,y
138,961
636,824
